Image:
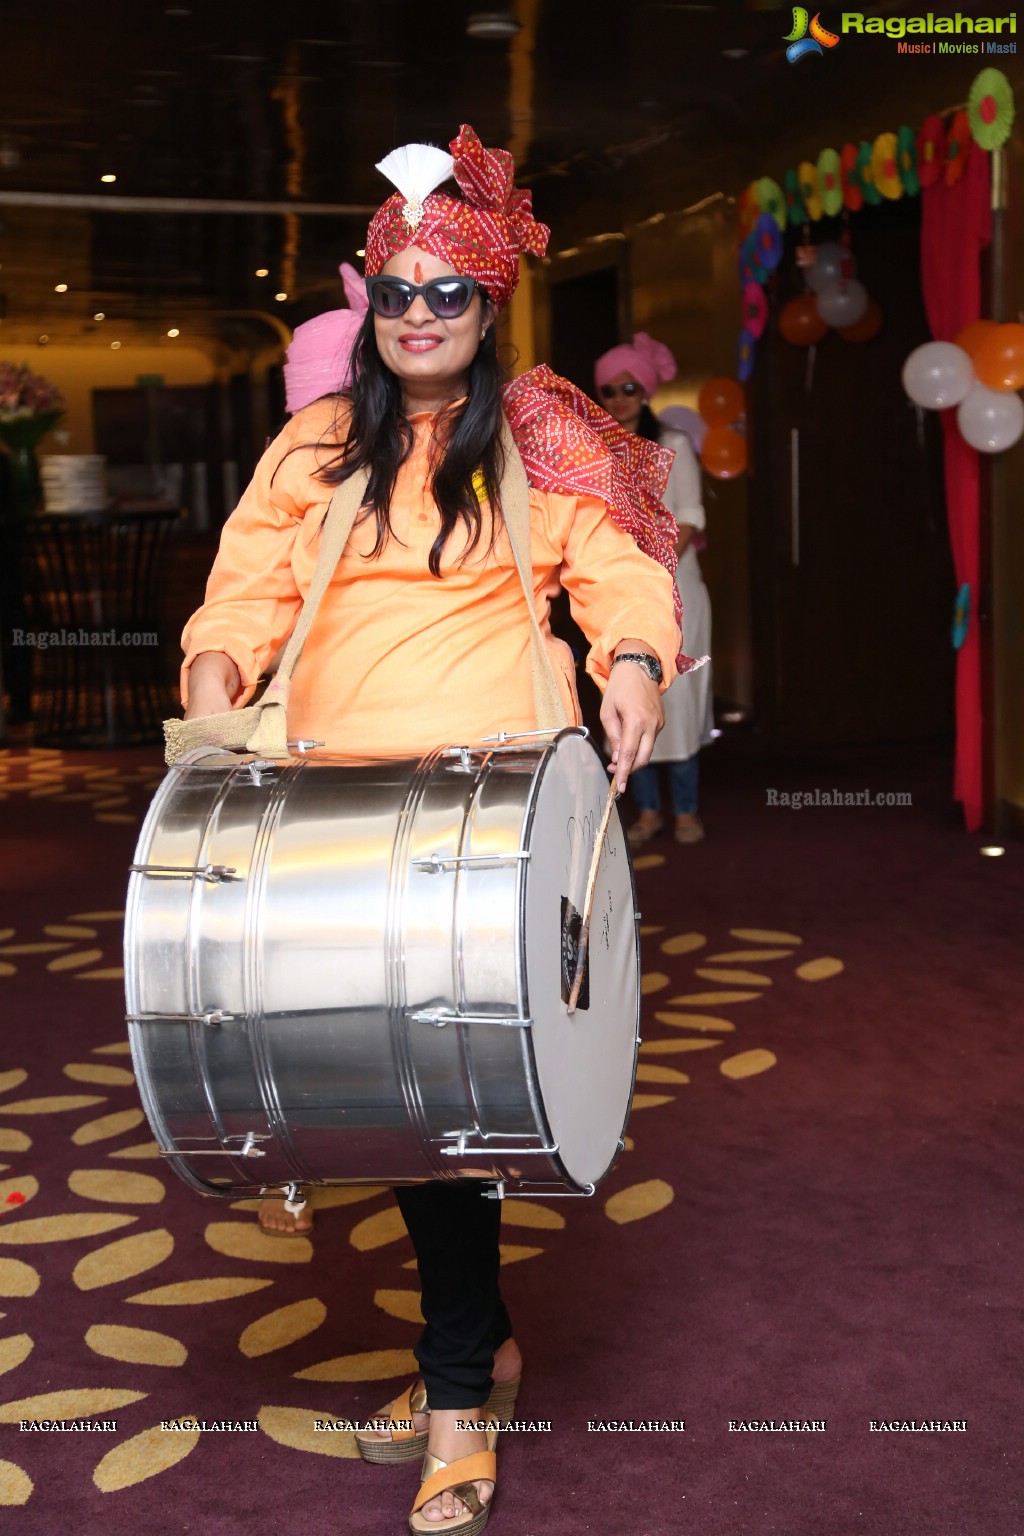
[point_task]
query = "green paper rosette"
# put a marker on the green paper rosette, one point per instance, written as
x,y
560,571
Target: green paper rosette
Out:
x,y
990,108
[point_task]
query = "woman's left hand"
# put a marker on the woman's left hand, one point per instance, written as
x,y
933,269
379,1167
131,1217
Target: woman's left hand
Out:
x,y
632,715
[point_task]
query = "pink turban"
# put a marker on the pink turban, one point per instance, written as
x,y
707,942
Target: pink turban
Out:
x,y
480,234
650,362
319,359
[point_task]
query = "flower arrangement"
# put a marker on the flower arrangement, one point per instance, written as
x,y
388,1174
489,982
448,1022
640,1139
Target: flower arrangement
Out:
x,y
30,406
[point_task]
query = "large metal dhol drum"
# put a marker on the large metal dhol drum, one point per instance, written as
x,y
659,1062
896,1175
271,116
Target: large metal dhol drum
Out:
x,y
341,973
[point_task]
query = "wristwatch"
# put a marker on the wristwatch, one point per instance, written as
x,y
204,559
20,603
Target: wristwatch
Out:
x,y
650,664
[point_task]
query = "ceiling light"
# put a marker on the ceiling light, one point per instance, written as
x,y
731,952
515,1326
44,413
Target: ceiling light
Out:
x,y
115,346
109,177
262,271
361,252
280,297
735,53
492,24
99,315
174,331
992,851
43,340
60,287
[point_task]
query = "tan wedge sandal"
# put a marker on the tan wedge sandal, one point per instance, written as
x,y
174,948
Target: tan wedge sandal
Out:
x,y
407,1442
459,1479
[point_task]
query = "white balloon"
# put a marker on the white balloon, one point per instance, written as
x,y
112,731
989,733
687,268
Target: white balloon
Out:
x,y
989,419
843,303
831,261
938,375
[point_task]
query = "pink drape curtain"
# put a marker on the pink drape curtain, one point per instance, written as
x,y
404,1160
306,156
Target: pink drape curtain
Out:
x,y
956,225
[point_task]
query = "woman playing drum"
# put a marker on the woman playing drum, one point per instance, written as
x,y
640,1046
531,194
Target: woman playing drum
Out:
x,y
423,636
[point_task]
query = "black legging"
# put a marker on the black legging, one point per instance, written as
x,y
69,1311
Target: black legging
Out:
x,y
454,1231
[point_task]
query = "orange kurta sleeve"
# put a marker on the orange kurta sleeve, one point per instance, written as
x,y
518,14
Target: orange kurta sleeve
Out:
x,y
615,590
252,598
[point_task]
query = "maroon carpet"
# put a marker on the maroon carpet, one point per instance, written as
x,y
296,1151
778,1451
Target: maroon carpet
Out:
x,y
822,1223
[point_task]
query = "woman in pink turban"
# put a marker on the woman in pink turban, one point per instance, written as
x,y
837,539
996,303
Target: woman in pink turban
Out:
x,y
626,378
423,637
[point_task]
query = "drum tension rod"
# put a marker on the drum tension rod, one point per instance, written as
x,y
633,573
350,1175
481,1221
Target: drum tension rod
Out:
x,y
211,872
211,1017
438,863
439,1017
461,1148
247,1149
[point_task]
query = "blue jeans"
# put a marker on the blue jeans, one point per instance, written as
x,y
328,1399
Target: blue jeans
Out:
x,y
682,777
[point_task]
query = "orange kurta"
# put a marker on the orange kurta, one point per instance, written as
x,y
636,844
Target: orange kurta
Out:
x,y
398,660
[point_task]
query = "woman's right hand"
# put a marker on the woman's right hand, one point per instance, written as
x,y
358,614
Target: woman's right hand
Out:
x,y
213,685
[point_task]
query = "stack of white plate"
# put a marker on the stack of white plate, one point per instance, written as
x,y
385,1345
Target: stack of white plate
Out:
x,y
74,482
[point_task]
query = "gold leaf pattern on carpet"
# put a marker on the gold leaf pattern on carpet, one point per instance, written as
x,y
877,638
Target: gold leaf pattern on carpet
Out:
x,y
526,1213
372,1365
114,915
514,1253
10,1189
764,936
375,1231
13,1141
12,1079
192,1293
729,956
683,943
398,1303
142,1149
15,1485
144,1455
819,970
699,1021
119,1188
75,1403
111,973
653,981
734,978
18,1279
119,1048
276,1330
294,1427
713,999
53,1104
747,1063
13,1351
62,1229
655,1074
651,1100
649,861
673,1047
639,1200
73,961
244,1240
123,1259
135,1346
107,1126
96,1072
68,931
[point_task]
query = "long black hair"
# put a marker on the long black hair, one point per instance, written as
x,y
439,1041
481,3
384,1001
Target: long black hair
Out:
x,y
648,426
466,444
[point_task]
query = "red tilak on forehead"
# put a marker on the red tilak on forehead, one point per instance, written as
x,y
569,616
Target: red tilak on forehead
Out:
x,y
417,272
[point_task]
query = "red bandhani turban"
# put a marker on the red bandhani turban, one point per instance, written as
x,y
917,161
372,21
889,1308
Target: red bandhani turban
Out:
x,y
571,447
480,234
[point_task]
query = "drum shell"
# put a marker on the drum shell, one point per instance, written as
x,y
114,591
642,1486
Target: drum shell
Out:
x,y
332,934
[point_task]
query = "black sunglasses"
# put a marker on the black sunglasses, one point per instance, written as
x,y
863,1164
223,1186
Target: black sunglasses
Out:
x,y
609,391
445,297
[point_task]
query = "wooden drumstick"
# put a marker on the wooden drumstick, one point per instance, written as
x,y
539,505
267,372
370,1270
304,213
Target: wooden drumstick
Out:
x,y
588,902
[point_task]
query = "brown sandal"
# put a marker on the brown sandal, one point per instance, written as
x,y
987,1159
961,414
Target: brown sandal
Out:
x,y
406,1441
457,1478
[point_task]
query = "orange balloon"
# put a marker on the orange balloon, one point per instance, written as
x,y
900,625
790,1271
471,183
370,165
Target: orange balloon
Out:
x,y
972,334
800,323
999,358
724,453
720,402
867,327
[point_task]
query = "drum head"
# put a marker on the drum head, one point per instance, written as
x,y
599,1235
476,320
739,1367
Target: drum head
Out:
x,y
585,1063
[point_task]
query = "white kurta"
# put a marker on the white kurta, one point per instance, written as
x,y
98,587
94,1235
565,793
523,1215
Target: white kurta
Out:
x,y
688,703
